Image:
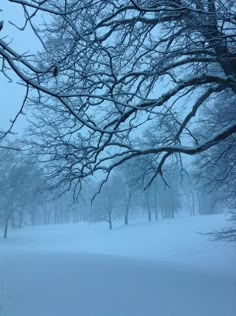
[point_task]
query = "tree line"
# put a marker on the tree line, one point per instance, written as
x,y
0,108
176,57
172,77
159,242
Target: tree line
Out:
x,y
28,195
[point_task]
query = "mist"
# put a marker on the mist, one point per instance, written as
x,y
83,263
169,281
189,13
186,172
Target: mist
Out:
x,y
117,158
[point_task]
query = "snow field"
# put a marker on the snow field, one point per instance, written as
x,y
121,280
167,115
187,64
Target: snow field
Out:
x,y
165,268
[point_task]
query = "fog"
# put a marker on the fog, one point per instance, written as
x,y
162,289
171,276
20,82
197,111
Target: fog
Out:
x,y
117,158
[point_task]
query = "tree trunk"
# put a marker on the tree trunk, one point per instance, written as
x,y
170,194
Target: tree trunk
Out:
x,y
32,217
110,220
6,228
20,219
149,214
126,221
61,216
162,214
217,40
55,216
155,206
45,216
148,207
110,215
76,216
193,204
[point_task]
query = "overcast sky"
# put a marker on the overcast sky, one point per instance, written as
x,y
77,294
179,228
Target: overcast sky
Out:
x,y
12,93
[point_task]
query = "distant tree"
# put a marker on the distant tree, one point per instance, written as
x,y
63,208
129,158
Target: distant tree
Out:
x,y
152,200
20,183
130,177
107,206
216,168
189,189
169,195
208,202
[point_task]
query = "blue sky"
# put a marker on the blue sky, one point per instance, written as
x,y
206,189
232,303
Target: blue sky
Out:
x,y
12,93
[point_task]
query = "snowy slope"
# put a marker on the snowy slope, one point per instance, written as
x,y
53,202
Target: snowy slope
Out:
x,y
165,268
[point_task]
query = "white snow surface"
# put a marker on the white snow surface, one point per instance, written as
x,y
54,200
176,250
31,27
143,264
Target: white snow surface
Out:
x,y
165,268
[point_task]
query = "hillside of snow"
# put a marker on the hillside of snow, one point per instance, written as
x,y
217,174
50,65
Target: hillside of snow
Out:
x,y
166,268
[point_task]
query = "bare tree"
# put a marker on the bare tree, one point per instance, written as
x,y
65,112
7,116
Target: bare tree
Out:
x,y
130,175
107,207
216,168
112,68
21,184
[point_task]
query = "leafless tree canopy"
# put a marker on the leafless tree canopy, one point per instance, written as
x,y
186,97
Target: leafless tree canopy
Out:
x,y
217,167
110,72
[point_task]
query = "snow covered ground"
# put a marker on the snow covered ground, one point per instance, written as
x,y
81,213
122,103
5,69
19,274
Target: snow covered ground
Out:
x,y
165,268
